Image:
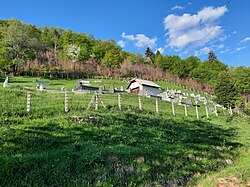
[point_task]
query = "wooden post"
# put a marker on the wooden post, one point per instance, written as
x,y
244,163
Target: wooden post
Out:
x,y
230,110
119,102
185,107
173,108
196,109
91,101
96,102
156,106
206,111
215,110
102,102
28,102
66,102
140,104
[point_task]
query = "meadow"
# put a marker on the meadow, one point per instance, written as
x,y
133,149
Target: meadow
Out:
x,y
109,147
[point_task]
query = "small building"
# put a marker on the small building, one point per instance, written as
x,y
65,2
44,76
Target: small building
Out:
x,y
143,87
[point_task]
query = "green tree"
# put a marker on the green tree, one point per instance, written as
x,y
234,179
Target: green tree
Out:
x,y
136,58
168,62
191,63
18,44
150,54
225,90
208,72
241,77
113,58
211,56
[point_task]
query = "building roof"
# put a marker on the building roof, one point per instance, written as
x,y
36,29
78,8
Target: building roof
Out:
x,y
143,82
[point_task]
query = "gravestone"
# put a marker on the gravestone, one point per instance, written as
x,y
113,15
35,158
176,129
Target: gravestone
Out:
x,y
189,102
78,83
5,84
101,90
122,88
111,89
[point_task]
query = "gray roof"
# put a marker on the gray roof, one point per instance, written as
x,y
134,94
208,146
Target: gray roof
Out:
x,y
143,82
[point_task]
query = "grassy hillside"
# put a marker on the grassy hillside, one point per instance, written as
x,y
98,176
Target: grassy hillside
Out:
x,y
48,147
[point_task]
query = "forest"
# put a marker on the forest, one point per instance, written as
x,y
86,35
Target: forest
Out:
x,y
26,49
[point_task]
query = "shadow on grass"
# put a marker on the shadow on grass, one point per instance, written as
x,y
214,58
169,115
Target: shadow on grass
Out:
x,y
123,149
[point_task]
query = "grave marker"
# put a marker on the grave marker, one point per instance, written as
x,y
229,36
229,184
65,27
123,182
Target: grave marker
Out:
x,y
111,89
100,90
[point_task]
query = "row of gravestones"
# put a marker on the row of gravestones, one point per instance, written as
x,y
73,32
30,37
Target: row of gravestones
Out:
x,y
112,89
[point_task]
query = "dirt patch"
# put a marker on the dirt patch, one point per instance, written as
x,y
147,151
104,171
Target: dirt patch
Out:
x,y
229,182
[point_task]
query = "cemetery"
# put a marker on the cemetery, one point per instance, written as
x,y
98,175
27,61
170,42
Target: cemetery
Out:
x,y
90,128
153,97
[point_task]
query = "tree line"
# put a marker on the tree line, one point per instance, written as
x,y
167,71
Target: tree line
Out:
x,y
27,48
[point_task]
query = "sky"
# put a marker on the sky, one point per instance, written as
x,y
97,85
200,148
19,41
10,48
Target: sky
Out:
x,y
174,27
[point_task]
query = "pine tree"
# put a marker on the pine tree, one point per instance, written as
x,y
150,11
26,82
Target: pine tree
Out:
x,y
149,54
211,56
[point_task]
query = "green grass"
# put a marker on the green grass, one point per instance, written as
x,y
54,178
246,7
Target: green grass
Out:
x,y
48,147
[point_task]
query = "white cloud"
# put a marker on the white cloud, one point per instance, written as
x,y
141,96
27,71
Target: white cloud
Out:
x,y
140,40
211,14
220,46
224,51
235,32
223,38
160,49
202,51
194,30
189,3
121,43
245,39
240,48
178,7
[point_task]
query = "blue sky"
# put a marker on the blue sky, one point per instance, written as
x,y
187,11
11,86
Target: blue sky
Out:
x,y
181,27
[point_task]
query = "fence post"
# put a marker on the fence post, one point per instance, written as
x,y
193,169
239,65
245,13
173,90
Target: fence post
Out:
x,y
207,111
156,106
185,107
96,102
66,109
230,110
140,104
119,102
196,109
173,108
215,110
28,102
